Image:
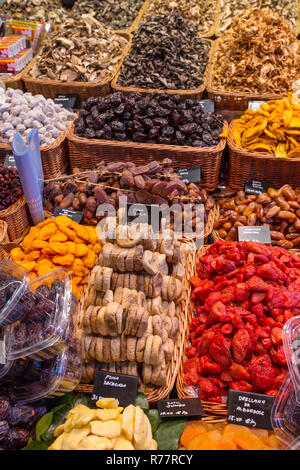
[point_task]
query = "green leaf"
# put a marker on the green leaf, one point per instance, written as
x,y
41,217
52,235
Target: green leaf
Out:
x,y
141,401
168,434
154,419
35,445
43,424
83,399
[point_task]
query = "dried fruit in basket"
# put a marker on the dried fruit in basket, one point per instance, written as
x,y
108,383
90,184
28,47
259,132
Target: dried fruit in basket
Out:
x,y
201,12
116,14
166,53
245,293
273,128
48,254
108,428
21,112
202,436
258,54
279,209
99,46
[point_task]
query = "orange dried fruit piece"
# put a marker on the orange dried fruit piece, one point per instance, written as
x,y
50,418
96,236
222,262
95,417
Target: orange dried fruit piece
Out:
x,y
68,232
190,433
97,248
81,231
39,244
59,237
92,235
59,248
63,221
29,265
48,231
274,442
65,260
72,247
33,255
81,250
205,441
17,254
226,444
243,437
90,259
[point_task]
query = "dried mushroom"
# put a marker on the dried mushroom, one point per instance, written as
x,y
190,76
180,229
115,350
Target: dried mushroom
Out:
x,y
166,53
259,54
83,50
288,9
202,12
118,14
39,10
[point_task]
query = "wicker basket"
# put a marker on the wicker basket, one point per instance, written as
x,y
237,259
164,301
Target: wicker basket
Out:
x,y
244,164
17,219
231,100
3,239
196,93
210,223
210,408
54,156
86,153
163,392
51,88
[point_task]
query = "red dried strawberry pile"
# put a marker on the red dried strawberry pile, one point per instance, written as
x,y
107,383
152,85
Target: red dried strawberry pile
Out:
x,y
243,295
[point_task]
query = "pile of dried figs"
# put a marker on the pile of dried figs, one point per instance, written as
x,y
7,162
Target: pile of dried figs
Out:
x,y
167,53
155,183
83,50
202,12
114,13
154,118
50,11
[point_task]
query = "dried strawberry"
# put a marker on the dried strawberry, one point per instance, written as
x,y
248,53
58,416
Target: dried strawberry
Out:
x,y
240,344
220,351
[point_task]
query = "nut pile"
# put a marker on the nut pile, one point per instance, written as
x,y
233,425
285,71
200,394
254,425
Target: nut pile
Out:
x,y
277,209
201,12
114,13
39,10
83,50
155,118
21,112
166,53
258,54
273,128
155,183
131,308
10,187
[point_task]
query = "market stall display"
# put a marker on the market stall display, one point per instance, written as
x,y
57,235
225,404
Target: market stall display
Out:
x,y
258,58
277,209
166,54
38,10
58,67
203,13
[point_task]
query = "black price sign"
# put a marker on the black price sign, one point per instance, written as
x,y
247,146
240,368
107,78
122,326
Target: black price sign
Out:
x,y
256,187
208,106
255,233
255,104
190,174
145,214
10,161
180,408
77,216
111,385
67,101
250,409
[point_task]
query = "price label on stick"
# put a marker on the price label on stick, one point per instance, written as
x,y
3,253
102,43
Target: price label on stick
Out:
x,y
67,101
208,106
255,233
255,104
77,216
190,174
250,409
144,213
111,385
180,408
256,187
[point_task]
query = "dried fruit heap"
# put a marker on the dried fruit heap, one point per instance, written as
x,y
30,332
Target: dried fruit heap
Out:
x,y
202,12
258,54
10,187
273,128
116,14
243,295
166,53
83,50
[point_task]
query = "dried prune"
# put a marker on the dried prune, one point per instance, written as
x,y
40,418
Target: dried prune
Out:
x,y
20,416
4,408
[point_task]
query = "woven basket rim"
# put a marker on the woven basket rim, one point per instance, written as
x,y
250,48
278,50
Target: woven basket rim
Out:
x,y
13,208
27,79
180,92
3,231
250,153
215,149
235,94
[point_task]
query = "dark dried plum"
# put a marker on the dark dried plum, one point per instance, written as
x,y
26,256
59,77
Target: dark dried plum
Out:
x,y
90,133
167,131
120,136
42,291
117,126
139,137
17,438
4,428
20,416
20,334
107,132
4,408
189,128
